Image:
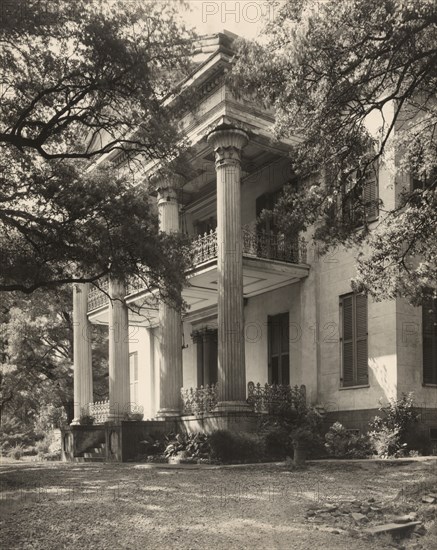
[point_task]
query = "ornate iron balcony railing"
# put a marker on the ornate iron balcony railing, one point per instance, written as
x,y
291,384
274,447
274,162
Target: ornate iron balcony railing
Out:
x,y
271,398
199,400
257,244
204,248
99,410
98,297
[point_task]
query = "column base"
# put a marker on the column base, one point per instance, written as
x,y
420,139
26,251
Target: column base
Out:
x,y
115,418
168,413
232,406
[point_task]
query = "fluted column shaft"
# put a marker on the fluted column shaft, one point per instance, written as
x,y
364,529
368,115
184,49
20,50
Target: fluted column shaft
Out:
x,y
169,318
119,387
83,377
227,145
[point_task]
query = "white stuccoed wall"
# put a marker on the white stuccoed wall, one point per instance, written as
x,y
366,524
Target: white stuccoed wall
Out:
x,y
395,358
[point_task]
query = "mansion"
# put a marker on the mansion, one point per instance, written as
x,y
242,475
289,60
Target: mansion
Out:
x,y
263,311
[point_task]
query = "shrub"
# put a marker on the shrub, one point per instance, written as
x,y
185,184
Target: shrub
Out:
x,y
385,441
277,443
14,433
301,422
195,446
42,446
16,452
342,443
399,414
388,432
228,446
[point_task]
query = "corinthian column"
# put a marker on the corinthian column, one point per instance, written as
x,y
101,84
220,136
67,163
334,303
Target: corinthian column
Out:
x,y
119,389
227,145
170,323
83,377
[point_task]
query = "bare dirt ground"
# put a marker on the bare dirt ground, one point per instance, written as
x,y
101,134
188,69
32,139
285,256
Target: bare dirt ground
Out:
x,y
110,506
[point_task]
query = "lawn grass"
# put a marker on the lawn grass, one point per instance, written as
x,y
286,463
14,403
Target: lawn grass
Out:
x,y
102,506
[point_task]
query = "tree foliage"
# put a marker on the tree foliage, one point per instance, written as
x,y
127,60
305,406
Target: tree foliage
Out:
x,y
353,83
36,344
82,80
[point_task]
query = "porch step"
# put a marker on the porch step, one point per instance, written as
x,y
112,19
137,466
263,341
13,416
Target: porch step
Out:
x,y
89,459
94,454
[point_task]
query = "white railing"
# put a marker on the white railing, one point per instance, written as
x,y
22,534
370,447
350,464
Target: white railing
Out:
x,y
99,410
204,248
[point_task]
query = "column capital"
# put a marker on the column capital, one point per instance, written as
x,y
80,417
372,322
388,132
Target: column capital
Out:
x,y
167,195
117,289
166,179
227,144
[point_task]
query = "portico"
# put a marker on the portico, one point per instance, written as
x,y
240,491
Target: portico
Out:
x,y
234,260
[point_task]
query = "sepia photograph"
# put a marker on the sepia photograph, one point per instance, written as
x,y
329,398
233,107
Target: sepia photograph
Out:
x,y
218,274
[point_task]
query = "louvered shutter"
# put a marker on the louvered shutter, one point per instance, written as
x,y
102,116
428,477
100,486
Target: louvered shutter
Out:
x,y
133,375
354,340
429,341
347,340
361,339
370,194
279,349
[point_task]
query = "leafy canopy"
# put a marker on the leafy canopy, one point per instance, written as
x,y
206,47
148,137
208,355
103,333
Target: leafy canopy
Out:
x,y
36,352
355,82
82,80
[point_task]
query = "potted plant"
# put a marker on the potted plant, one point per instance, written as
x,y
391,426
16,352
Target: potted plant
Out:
x,y
136,416
86,420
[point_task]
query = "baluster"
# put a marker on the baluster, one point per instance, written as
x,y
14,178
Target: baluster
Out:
x,y
212,243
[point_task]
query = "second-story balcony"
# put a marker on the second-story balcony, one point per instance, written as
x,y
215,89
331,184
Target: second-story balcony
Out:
x,y
255,244
269,262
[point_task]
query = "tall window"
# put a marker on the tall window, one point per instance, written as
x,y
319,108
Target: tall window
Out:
x,y
279,349
133,377
429,340
360,200
353,311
